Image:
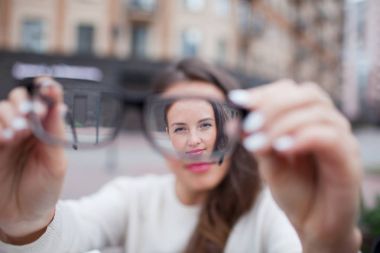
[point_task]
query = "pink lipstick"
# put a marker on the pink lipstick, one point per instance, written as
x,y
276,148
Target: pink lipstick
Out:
x,y
200,167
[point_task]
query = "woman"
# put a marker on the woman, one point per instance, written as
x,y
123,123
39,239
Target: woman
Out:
x,y
305,152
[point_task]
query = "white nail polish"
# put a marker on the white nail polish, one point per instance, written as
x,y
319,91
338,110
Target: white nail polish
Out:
x,y
19,124
255,142
7,134
46,83
283,143
239,97
253,122
25,107
38,107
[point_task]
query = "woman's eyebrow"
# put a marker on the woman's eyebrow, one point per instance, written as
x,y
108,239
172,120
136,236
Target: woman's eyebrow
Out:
x,y
205,119
184,124
177,124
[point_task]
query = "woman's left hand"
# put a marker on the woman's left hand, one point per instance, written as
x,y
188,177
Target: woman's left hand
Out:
x,y
309,158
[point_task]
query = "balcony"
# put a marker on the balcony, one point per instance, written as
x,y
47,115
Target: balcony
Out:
x,y
141,10
251,23
320,17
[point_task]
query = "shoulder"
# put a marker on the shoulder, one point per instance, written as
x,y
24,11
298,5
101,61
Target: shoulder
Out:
x,y
122,192
264,227
141,184
266,216
275,225
265,200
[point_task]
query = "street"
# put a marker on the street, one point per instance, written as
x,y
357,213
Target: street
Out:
x,y
132,155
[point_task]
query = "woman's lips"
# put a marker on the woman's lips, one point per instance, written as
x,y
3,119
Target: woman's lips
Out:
x,y
198,167
195,151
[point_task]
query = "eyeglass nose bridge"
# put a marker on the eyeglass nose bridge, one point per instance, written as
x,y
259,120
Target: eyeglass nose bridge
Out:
x,y
128,101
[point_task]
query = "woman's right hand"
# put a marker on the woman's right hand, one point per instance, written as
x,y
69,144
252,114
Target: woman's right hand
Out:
x,y
31,172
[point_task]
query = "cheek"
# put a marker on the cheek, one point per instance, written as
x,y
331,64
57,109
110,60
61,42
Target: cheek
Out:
x,y
178,141
210,137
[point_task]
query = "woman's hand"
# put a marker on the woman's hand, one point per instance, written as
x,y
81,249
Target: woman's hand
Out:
x,y
31,173
309,158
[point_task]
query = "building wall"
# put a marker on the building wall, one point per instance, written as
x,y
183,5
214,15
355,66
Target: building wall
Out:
x,y
73,13
268,45
373,45
361,65
211,26
32,10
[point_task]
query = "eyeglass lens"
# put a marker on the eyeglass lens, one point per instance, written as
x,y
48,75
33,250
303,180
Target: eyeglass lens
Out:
x,y
186,128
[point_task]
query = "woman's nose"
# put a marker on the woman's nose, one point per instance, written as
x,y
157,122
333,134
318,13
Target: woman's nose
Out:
x,y
194,139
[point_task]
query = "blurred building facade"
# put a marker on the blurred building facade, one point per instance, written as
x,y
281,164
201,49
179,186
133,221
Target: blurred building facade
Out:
x,y
270,39
373,89
300,39
361,96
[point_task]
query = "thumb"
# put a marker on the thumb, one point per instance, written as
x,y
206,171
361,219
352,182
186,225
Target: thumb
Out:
x,y
52,92
53,124
272,167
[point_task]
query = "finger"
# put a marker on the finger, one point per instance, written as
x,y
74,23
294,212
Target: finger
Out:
x,y
268,111
338,150
52,91
23,103
279,134
20,100
15,126
6,117
290,123
50,88
256,96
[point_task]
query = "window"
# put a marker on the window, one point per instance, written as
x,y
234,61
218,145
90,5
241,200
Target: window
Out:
x,y
32,37
194,5
147,5
85,39
221,51
139,40
222,7
191,40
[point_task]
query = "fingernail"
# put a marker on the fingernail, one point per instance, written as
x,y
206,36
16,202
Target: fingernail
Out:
x,y
253,122
25,107
7,134
239,97
19,124
283,143
255,141
46,83
38,107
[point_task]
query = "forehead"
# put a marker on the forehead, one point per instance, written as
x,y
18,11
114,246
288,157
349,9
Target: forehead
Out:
x,y
192,108
195,88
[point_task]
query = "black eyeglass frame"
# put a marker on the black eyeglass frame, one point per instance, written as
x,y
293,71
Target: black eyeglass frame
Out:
x,y
127,99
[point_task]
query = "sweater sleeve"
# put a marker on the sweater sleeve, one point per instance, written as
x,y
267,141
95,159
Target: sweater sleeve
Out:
x,y
280,236
93,222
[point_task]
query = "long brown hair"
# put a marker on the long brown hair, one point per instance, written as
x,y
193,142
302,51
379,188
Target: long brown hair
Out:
x,y
235,195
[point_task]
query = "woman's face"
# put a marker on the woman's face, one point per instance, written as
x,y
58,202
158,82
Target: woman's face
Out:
x,y
192,128
192,131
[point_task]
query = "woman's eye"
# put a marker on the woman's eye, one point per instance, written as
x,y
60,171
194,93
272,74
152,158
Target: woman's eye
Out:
x,y
205,125
179,129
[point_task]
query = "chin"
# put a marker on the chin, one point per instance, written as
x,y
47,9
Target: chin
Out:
x,y
207,181
202,181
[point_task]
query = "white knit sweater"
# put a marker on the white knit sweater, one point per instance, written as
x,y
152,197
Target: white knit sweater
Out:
x,y
144,215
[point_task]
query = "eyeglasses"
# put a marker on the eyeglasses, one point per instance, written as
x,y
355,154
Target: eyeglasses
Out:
x,y
185,127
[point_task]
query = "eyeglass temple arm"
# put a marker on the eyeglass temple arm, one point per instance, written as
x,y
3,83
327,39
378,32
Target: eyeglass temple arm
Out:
x,y
73,130
31,88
